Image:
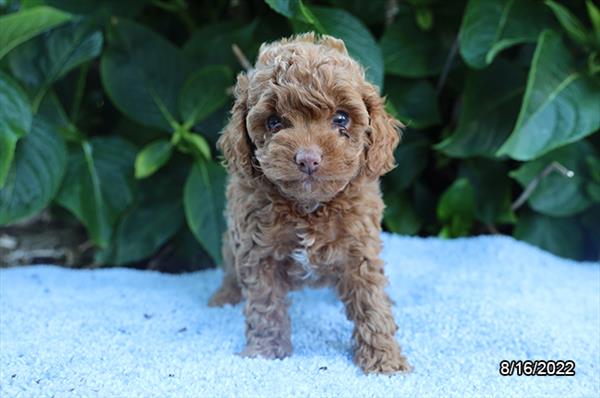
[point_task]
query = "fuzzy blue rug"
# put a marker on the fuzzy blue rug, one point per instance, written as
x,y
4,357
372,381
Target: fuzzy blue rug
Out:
x,y
462,307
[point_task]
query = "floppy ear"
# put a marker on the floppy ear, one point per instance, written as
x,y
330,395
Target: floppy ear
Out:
x,y
234,142
383,135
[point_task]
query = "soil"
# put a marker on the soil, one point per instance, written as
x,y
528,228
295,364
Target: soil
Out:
x,y
42,240
45,239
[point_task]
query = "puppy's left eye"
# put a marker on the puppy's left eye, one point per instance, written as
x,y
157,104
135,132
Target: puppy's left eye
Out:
x,y
341,119
274,123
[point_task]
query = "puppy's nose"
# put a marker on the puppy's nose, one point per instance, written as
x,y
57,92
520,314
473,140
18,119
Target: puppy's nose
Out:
x,y
308,160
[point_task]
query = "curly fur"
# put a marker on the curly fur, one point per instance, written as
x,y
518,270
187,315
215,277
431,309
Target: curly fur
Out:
x,y
286,229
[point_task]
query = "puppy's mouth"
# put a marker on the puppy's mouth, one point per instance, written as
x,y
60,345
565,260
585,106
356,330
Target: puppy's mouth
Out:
x,y
309,183
314,181
311,188
306,183
320,185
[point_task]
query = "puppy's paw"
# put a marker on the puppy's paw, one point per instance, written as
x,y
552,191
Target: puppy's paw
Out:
x,y
225,295
372,360
272,350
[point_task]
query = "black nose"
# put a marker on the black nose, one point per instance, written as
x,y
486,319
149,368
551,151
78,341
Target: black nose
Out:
x,y
308,160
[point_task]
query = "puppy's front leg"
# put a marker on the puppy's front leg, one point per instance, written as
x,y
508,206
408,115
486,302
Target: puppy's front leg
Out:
x,y
361,288
268,326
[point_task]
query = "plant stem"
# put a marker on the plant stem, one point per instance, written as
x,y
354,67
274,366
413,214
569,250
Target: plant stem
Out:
x,y
391,9
241,57
79,88
37,100
447,66
552,167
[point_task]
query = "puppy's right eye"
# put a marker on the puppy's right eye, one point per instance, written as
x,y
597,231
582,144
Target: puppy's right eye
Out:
x,y
274,123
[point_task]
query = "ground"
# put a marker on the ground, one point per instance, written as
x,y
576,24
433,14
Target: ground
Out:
x,y
462,307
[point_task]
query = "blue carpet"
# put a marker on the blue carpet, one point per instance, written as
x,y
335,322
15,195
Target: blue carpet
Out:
x,y
462,307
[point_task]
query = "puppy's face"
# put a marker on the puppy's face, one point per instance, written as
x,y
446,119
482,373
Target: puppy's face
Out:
x,y
311,148
311,122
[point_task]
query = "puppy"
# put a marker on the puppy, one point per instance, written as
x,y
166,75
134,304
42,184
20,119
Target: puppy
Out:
x,y
305,146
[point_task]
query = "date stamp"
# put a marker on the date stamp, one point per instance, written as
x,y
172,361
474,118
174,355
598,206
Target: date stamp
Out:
x,y
537,368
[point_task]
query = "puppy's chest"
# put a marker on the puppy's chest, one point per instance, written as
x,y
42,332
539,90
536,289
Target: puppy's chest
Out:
x,y
312,254
302,256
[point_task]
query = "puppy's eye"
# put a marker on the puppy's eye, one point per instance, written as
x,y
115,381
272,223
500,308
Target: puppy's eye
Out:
x,y
341,119
274,123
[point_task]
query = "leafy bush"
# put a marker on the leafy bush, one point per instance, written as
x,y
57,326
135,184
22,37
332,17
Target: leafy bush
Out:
x,y
111,110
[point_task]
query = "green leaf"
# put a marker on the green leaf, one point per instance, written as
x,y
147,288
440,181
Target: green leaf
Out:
x,y
199,145
370,12
15,121
561,236
155,217
21,26
569,22
151,224
142,73
410,52
557,195
152,157
490,26
593,191
359,41
52,110
593,164
561,104
98,185
490,103
296,10
188,251
306,14
45,60
128,8
594,14
204,203
213,124
191,143
204,92
70,46
211,44
424,18
287,8
493,196
412,156
400,216
425,202
35,175
456,209
414,101
23,63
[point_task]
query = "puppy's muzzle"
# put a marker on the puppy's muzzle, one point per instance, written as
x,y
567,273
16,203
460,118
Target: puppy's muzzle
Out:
x,y
308,160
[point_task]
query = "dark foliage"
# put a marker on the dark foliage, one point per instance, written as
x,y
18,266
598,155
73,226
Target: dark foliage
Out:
x,y
111,109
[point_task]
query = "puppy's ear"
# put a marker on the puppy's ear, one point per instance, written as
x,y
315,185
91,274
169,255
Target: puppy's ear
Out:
x,y
234,142
383,135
